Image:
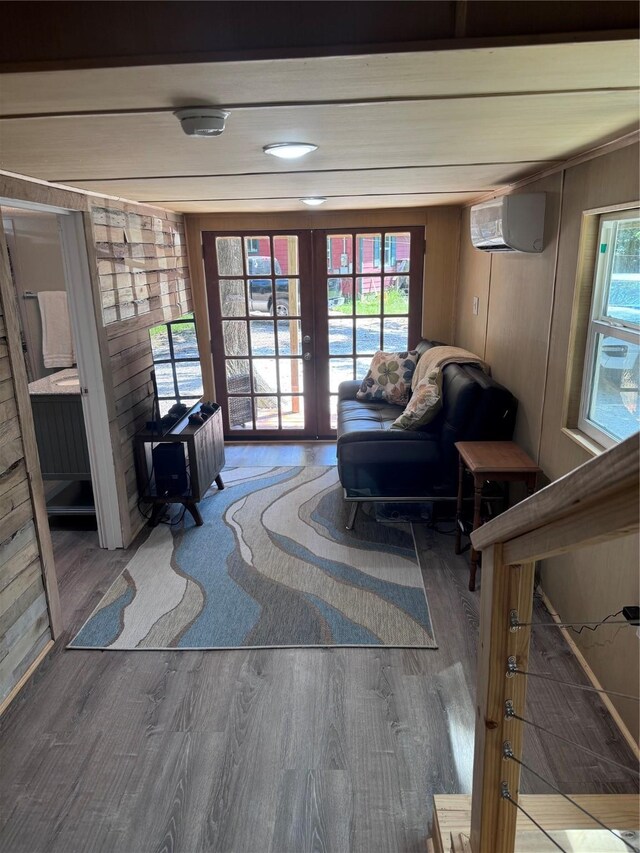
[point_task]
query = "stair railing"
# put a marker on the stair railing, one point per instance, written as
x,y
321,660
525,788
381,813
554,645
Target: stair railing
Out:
x,y
594,503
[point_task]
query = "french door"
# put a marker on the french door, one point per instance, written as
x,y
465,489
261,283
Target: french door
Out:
x,y
261,316
377,273
294,313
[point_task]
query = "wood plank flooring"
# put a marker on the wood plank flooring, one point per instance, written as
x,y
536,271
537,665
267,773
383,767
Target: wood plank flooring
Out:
x,y
285,751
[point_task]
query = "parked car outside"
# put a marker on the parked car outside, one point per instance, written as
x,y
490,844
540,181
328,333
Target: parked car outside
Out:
x,y
260,291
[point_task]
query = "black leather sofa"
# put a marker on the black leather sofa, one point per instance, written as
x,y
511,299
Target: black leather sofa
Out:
x,y
376,463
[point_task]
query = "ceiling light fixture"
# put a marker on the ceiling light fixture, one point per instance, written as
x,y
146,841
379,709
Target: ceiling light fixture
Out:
x,y
289,150
202,121
313,201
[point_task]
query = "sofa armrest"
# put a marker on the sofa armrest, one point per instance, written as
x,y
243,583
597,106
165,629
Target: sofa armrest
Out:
x,y
348,390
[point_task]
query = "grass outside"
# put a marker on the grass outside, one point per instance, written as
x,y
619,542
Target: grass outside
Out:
x,y
395,302
157,331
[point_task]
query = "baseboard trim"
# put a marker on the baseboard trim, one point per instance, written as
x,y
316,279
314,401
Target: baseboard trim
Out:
x,y
611,708
135,530
27,675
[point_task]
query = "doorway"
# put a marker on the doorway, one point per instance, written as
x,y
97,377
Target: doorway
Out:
x,y
57,331
261,308
294,313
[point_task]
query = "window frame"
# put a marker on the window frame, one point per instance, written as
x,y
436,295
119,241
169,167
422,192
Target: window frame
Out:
x,y
252,246
173,360
599,324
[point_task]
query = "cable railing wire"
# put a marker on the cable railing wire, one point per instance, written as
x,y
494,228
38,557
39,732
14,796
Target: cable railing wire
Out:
x,y
513,716
517,671
588,626
508,754
507,796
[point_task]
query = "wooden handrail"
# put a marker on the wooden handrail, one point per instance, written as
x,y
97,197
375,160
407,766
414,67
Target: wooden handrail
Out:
x,y
597,501
615,471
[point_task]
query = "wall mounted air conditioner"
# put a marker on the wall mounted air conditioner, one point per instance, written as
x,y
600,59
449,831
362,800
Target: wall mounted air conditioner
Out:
x,y
512,223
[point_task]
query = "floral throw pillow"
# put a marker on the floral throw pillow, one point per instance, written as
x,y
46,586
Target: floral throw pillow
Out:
x,y
389,378
424,405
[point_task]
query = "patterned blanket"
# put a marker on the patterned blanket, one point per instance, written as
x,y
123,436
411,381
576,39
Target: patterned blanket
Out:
x,y
426,399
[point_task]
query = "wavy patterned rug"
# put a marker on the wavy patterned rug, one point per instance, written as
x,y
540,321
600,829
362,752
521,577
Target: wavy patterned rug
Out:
x,y
273,566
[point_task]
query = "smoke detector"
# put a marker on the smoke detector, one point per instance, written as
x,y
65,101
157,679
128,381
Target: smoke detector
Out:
x,y
202,121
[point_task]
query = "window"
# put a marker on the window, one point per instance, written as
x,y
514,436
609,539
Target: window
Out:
x,y
609,399
176,361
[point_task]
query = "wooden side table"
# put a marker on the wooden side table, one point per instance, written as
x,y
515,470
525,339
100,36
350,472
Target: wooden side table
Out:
x,y
501,461
201,461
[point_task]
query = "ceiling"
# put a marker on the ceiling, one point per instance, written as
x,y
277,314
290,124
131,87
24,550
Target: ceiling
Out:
x,y
393,130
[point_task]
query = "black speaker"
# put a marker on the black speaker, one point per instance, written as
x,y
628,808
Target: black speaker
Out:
x,y
170,469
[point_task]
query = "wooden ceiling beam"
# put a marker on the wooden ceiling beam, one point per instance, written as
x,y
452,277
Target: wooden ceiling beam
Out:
x,y
504,130
346,171
336,102
375,80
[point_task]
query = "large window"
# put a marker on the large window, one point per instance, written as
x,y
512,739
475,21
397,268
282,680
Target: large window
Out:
x,y
176,361
609,400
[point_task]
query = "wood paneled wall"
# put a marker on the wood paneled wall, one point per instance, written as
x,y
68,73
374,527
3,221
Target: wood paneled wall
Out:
x,y
25,550
139,278
440,273
143,279
442,228
473,282
518,318
141,261
523,331
511,329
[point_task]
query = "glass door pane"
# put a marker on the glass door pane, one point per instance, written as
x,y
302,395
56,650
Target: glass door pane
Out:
x,y
284,337
261,313
371,290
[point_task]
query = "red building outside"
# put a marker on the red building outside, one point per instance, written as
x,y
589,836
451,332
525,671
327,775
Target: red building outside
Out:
x,y
371,261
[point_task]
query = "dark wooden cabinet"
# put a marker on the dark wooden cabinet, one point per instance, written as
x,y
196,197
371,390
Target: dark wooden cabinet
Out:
x,y
197,466
58,420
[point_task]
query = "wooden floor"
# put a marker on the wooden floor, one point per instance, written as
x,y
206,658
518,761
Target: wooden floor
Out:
x,y
284,751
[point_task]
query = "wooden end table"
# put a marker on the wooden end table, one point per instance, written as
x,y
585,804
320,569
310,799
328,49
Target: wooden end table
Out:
x,y
203,458
500,461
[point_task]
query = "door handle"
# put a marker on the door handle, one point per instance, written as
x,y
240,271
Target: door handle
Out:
x,y
306,339
307,356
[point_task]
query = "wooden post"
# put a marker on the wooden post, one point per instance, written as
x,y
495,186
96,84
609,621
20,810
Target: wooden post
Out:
x,y
504,588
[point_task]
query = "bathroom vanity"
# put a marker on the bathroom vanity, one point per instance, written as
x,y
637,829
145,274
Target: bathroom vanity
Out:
x,y
62,443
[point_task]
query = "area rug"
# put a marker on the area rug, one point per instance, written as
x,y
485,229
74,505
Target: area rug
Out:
x,y
271,567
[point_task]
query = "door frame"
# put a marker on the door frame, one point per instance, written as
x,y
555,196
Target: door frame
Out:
x,y
314,323
84,325
307,327
94,399
320,275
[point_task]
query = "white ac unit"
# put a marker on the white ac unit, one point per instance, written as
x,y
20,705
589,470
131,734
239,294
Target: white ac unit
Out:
x,y
511,223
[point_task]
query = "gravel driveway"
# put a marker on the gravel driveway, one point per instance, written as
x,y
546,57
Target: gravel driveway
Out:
x,y
341,343
340,336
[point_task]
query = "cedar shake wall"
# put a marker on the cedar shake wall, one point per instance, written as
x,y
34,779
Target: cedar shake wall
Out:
x,y
143,280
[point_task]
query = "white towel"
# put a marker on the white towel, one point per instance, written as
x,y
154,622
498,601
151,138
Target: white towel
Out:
x,y
57,342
